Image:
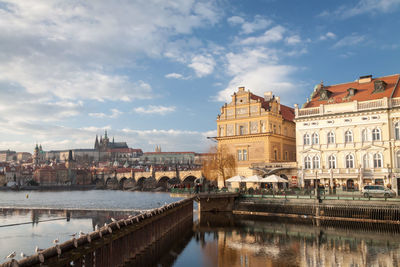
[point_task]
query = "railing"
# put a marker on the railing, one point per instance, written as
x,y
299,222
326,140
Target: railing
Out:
x,y
116,243
372,104
363,105
308,111
396,102
324,194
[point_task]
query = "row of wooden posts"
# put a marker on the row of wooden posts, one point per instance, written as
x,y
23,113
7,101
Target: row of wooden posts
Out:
x,y
117,243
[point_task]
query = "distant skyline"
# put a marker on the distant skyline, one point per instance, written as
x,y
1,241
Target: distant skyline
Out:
x,y
157,72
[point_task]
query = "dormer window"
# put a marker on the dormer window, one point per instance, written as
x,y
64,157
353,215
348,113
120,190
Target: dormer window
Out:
x,y
351,91
379,86
324,94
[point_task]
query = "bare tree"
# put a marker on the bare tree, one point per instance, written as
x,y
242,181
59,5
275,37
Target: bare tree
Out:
x,y
219,164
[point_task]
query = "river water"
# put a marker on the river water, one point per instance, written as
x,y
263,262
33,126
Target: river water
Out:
x,y
215,240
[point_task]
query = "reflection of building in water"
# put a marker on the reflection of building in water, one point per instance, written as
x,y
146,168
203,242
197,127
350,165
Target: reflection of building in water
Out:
x,y
276,244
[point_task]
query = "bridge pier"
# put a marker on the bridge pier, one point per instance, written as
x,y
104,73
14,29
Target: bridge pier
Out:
x,y
216,202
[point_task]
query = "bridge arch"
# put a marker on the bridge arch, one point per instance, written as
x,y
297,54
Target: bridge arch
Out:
x,y
163,182
189,180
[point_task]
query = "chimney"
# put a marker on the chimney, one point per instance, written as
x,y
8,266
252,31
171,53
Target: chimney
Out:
x,y
267,96
278,100
365,79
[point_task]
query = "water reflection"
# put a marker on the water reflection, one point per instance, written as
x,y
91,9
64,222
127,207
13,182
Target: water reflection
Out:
x,y
228,240
23,229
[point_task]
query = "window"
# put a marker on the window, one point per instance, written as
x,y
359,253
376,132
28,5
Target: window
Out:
x,y
349,161
276,154
332,162
364,135
315,139
240,155
306,139
307,162
316,162
331,138
286,155
397,131
366,161
348,136
274,129
378,160
376,134
241,130
398,159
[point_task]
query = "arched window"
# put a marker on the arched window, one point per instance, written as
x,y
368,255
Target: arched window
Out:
x,y
316,162
397,131
307,162
398,159
366,161
315,139
331,138
332,162
348,137
349,161
364,135
306,139
378,160
376,134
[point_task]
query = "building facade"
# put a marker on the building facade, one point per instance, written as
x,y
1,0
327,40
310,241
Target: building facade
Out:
x,y
348,134
257,130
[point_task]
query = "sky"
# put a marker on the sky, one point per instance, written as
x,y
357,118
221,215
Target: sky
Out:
x,y
156,72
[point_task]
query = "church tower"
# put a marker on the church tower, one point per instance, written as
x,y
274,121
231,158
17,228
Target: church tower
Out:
x,y
96,143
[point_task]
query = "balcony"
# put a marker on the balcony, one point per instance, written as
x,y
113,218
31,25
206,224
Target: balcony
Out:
x,y
353,106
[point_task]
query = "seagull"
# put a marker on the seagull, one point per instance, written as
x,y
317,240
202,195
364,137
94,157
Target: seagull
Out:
x,y
55,241
12,255
73,235
37,249
23,255
97,228
114,220
81,233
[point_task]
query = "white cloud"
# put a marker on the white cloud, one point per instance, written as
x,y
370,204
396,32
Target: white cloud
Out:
x,y
151,109
257,69
261,79
362,7
234,20
176,76
292,40
71,49
203,65
272,35
350,40
328,35
259,23
115,113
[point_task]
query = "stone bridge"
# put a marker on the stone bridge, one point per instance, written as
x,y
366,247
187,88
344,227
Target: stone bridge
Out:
x,y
148,180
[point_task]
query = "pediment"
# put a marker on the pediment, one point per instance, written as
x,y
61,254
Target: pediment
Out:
x,y
372,147
311,150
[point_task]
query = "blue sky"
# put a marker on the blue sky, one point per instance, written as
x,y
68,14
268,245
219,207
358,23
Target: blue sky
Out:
x,y
157,72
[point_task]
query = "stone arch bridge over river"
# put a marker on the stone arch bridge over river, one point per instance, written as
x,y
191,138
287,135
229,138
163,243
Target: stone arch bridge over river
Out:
x,y
147,180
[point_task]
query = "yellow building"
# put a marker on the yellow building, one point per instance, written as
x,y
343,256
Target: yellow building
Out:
x,y
258,130
348,134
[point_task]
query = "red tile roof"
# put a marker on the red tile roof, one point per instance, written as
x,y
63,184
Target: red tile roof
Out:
x,y
286,112
364,91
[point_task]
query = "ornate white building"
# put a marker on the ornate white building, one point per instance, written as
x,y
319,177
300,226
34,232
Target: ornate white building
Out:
x,y
348,134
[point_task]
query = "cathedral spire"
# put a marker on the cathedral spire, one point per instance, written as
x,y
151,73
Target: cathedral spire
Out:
x,y
105,134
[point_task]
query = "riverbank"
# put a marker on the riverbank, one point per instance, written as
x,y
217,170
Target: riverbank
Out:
x,y
49,188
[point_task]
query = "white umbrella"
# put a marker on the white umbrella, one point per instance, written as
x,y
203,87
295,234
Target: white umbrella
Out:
x,y
253,179
237,178
273,179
